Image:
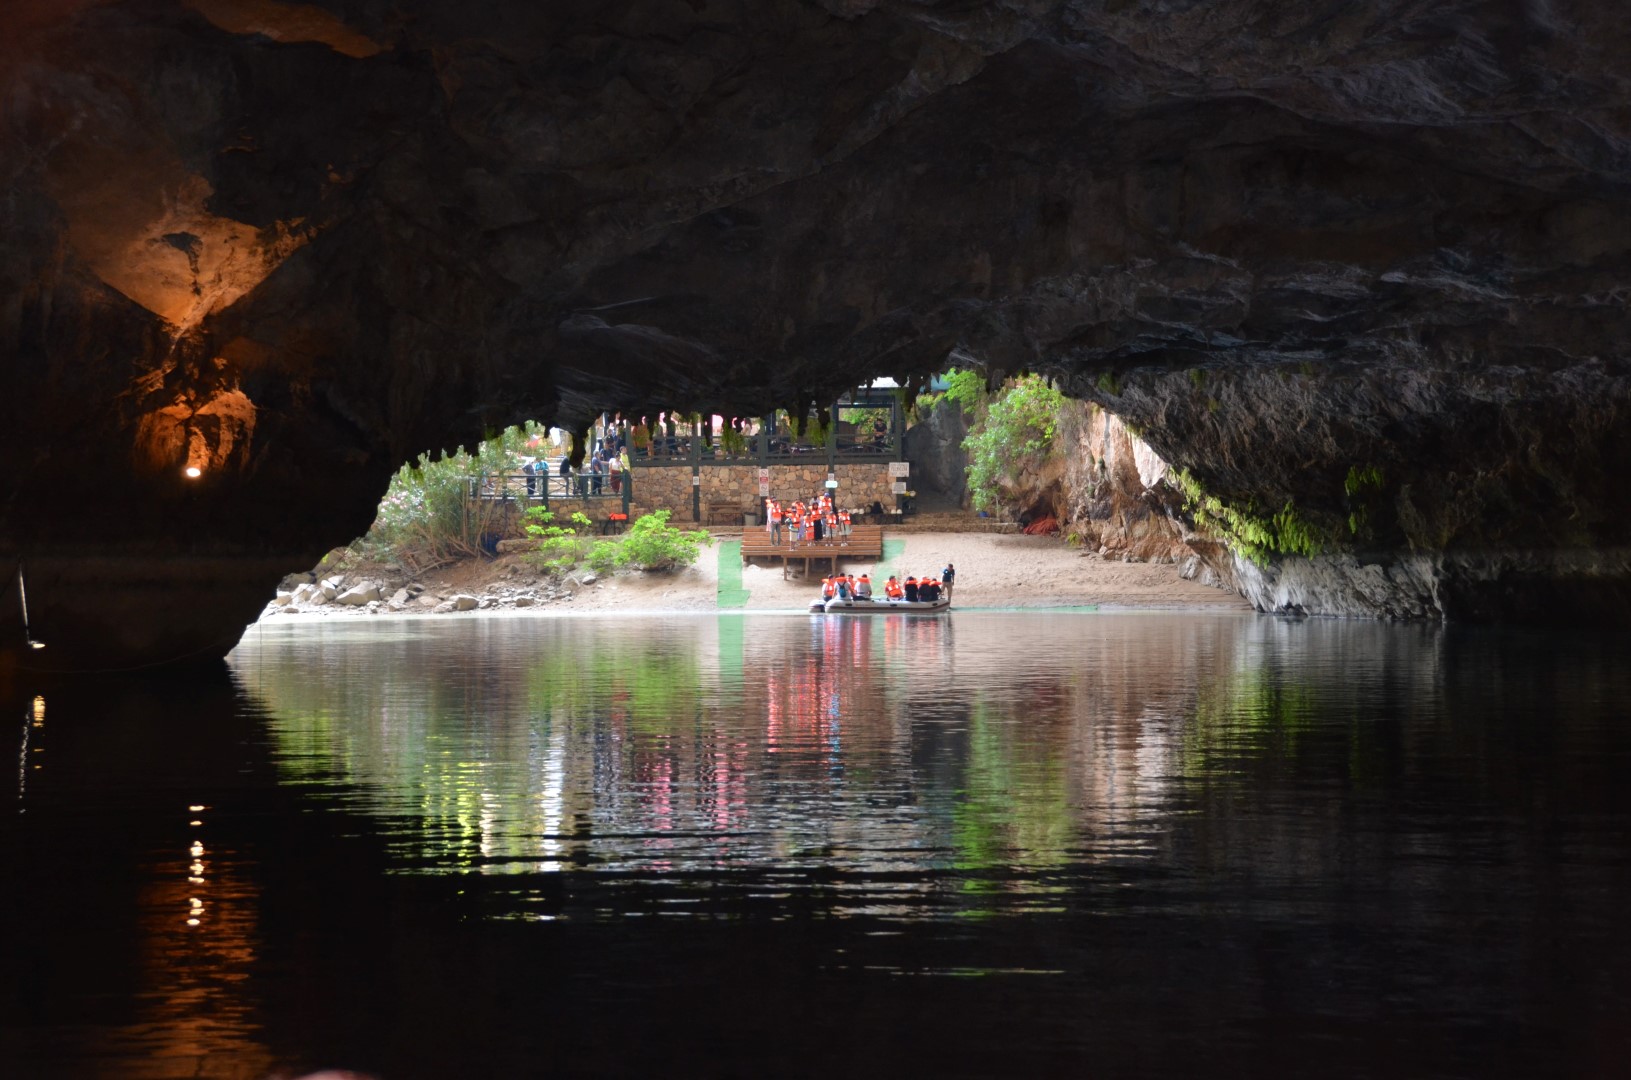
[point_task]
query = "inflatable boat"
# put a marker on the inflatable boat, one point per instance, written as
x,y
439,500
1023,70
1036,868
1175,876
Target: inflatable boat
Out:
x,y
836,606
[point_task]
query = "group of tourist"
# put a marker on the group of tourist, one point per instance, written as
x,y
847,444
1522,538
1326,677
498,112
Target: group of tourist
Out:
x,y
925,589
604,468
816,521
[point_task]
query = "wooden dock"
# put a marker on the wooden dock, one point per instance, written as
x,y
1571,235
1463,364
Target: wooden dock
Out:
x,y
864,544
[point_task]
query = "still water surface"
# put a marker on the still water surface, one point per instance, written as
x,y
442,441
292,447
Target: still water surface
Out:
x,y
991,844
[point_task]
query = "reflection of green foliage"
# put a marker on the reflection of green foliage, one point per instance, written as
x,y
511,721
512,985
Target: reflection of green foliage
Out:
x,y
654,690
1015,806
1254,535
1271,720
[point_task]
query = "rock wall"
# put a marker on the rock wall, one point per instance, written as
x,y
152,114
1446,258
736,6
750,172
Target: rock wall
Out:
x,y
934,446
292,246
1115,491
670,488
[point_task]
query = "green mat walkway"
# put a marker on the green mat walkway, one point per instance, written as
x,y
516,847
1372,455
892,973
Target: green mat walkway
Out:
x,y
889,563
731,594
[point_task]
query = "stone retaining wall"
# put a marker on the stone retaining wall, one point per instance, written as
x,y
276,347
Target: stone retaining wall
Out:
x,y
670,488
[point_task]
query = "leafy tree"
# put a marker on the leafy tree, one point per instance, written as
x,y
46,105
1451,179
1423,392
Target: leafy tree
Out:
x,y
966,388
1018,429
425,518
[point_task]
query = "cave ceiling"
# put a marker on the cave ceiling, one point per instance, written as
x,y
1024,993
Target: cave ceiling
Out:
x,y
307,241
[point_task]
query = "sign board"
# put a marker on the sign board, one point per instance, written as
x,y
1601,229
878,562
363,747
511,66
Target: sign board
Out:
x,y
900,468
898,487
696,481
832,478
764,476
764,486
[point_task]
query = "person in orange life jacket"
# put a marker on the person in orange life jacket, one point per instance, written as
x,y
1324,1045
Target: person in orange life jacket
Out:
x,y
841,588
773,521
826,588
911,589
892,589
928,590
863,588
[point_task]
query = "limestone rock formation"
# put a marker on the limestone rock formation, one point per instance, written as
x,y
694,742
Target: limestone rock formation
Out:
x,y
291,245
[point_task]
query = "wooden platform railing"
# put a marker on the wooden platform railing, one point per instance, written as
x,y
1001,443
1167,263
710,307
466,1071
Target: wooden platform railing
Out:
x,y
864,544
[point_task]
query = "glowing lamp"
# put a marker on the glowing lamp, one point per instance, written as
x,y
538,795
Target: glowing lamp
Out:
x,y
194,472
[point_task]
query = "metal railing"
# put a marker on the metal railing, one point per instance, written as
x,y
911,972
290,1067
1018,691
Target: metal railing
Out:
x,y
542,488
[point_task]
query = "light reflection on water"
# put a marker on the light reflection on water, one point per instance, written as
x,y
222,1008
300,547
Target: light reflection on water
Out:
x,y
910,768
995,844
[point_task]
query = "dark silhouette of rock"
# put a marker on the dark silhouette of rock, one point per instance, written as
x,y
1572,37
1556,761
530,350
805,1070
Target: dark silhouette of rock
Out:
x,y
293,245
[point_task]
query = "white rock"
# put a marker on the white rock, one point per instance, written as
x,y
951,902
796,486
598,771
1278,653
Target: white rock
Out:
x,y
589,579
428,600
524,601
303,593
399,597
358,595
282,598
444,606
464,603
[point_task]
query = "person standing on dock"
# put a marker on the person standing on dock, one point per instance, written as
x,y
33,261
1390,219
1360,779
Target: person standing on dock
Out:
x,y
947,577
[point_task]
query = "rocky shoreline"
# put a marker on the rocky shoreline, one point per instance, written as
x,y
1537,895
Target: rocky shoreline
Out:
x,y
366,593
994,570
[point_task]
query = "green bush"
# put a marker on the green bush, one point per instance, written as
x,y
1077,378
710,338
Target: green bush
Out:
x,y
967,389
560,547
1017,429
650,544
425,519
653,544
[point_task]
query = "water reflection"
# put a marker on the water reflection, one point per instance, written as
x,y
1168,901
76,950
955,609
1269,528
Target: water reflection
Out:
x,y
991,845
913,768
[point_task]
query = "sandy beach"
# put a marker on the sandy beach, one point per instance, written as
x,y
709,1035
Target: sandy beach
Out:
x,y
992,571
